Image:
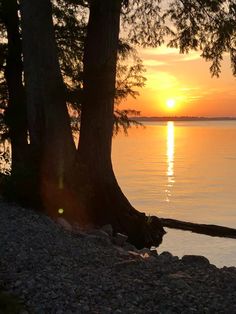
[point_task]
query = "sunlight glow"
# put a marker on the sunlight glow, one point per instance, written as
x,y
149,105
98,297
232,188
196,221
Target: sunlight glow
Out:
x,y
170,158
170,103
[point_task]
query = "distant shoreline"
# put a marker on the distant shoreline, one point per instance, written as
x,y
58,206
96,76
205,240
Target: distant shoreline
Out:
x,y
182,118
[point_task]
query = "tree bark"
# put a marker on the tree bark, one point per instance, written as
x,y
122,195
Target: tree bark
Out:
x,y
16,116
51,140
103,199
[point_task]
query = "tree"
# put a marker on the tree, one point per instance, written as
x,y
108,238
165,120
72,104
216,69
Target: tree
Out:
x,y
70,24
51,142
105,202
16,111
83,182
86,188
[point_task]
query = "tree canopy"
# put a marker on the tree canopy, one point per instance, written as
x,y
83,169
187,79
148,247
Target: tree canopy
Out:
x,y
208,26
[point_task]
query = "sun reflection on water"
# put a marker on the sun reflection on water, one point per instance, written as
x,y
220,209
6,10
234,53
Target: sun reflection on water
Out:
x,y
170,158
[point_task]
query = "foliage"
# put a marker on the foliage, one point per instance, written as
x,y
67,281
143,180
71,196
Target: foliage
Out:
x,y
122,120
143,23
129,76
70,21
206,25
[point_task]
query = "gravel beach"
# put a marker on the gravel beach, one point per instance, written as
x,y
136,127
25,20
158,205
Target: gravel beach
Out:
x,y
55,271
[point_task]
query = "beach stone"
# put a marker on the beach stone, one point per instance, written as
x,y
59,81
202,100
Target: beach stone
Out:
x,y
180,275
57,272
120,239
165,257
195,260
105,240
153,251
145,251
64,224
99,233
125,264
76,229
108,229
130,247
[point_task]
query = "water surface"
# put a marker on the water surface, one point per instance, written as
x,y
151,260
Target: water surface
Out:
x,y
185,171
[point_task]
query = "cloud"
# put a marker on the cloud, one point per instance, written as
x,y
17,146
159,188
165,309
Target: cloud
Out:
x,y
153,63
165,56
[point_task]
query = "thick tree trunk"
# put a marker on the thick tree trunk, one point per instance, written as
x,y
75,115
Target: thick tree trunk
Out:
x,y
104,200
51,140
16,115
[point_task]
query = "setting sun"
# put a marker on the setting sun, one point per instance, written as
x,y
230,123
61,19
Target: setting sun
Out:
x,y
170,103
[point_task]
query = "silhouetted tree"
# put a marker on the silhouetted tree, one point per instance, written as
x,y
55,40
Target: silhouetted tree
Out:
x,y
15,115
94,193
208,26
51,142
104,201
84,184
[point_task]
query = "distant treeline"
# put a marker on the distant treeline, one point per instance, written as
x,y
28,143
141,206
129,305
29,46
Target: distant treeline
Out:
x,y
183,118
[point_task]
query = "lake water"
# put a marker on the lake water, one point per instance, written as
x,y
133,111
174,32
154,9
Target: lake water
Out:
x,y
185,171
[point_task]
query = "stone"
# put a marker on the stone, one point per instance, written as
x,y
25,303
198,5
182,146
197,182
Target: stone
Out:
x,y
108,229
64,273
153,251
130,247
120,239
166,256
125,264
196,260
98,239
64,224
77,230
179,275
99,233
145,251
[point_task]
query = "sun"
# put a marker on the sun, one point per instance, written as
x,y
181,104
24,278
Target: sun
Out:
x,y
170,103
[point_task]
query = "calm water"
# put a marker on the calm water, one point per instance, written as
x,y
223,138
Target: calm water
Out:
x,y
186,171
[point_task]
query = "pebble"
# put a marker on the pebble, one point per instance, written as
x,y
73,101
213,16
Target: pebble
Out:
x,y
120,239
53,271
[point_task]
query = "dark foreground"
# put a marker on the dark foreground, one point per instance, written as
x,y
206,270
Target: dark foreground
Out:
x,y
55,271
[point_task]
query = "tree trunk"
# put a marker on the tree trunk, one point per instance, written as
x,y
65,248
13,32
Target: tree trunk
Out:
x,y
51,140
16,116
103,198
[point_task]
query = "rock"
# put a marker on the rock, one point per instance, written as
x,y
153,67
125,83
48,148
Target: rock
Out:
x,y
108,229
179,275
123,252
53,271
195,260
130,247
99,233
98,239
64,224
77,230
153,251
120,239
166,256
145,251
125,264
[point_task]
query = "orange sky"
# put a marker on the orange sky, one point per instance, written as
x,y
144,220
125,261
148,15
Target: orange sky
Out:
x,y
187,80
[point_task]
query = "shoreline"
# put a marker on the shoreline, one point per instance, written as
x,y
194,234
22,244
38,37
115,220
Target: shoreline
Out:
x,y
54,271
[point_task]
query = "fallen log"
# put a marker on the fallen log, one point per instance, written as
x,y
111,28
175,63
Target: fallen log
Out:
x,y
211,230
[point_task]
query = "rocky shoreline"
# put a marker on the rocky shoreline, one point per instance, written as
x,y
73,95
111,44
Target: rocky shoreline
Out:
x,y
53,270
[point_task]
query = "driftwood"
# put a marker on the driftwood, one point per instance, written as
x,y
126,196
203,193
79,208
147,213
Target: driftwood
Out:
x,y
211,230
